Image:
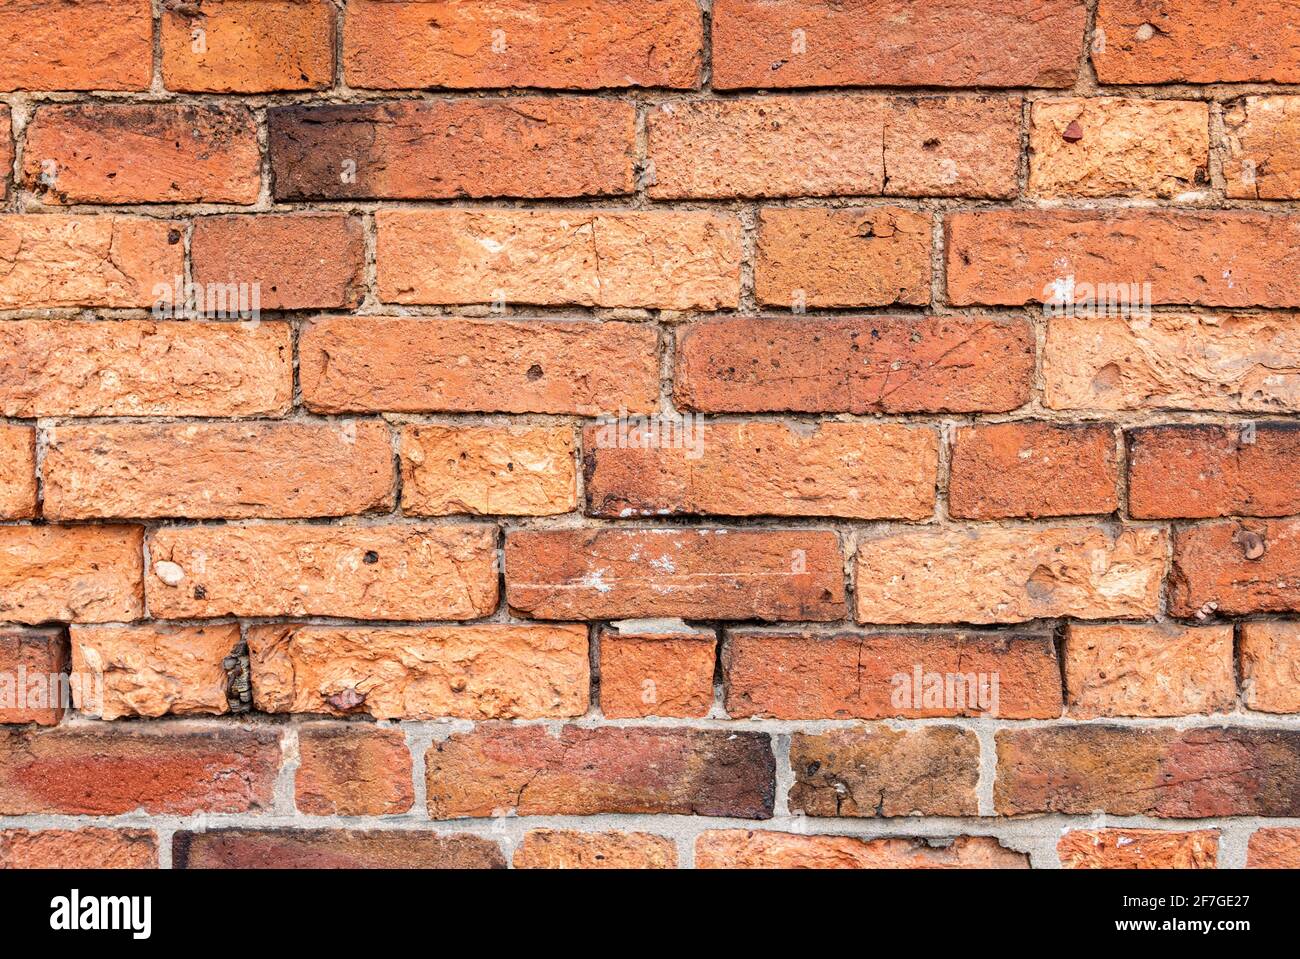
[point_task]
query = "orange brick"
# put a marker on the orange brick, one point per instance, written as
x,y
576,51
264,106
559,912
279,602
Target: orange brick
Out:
x,y
449,364
1138,849
248,46
1274,849
567,849
50,260
741,849
353,770
1262,162
1033,469
143,153
17,467
218,470
488,470
294,261
952,146
78,849
575,45
761,468
663,259
89,45
32,663
90,574
649,673
144,368
1241,567
828,258
1270,666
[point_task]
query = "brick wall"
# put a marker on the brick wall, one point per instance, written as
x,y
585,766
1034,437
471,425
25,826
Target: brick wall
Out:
x,y
601,433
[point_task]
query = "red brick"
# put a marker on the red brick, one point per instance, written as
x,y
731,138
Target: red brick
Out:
x,y
333,849
1196,41
1138,849
294,261
1261,162
78,849
169,769
50,260
415,149
691,573
1270,666
950,43
876,676
1210,471
144,368
931,771
143,153
248,46
1211,565
561,849
849,257
1033,469
854,365
1274,849
661,259
211,470
574,45
449,364
760,468
90,574
1188,774
89,45
525,770
17,463
644,672
353,770
952,146
1219,258
752,849
32,663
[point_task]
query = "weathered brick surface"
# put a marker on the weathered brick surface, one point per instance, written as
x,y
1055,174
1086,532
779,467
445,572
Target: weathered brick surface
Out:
x,y
353,770
92,45
1138,849
332,849
1251,566
560,849
656,674
87,574
1261,161
1274,849
498,769
1270,666
17,470
741,849
6,151
88,848
31,662
489,671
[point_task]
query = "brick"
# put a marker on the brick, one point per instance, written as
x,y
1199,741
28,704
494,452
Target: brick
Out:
x,y
489,671
166,769
416,149
1119,146
1229,362
293,261
32,662
849,257
211,470
1194,41
758,468
1207,258
946,43
91,574
387,571
650,673
1148,669
1261,161
569,849
6,152
353,770
333,849
577,45
752,849
1270,666
1273,849
663,259
143,153
984,574
144,368
814,365
1211,565
78,849
55,260
455,365
691,573
930,771
17,463
1178,774
248,46
805,675
1210,471
1033,469
1138,849
526,770
952,146
91,45
153,670
488,470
